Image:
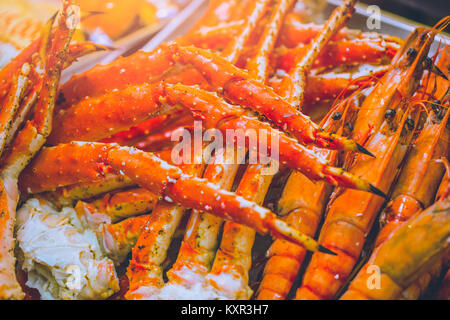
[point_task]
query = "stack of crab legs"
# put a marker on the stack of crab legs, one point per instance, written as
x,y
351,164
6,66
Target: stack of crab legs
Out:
x,y
101,143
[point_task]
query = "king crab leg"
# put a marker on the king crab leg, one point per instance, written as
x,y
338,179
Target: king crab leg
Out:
x,y
235,48
258,65
200,241
229,272
237,86
167,181
145,269
23,148
293,86
216,113
11,105
187,268
119,205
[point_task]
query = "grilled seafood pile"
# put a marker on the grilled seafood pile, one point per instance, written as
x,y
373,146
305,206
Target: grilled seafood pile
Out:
x,y
95,192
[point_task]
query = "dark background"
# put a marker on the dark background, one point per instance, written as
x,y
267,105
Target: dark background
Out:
x,y
427,12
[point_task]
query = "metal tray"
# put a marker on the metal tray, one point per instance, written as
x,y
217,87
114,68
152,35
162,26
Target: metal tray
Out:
x,y
166,31
134,41
390,23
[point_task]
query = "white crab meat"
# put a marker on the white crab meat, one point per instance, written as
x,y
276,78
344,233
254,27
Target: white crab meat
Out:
x,y
61,255
195,287
173,291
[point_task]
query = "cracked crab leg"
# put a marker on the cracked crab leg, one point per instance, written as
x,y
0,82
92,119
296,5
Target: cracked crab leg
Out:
x,y
293,86
25,57
118,239
198,247
68,195
229,272
215,113
12,103
258,65
200,241
334,54
237,86
75,51
27,143
145,271
120,205
235,48
158,176
17,110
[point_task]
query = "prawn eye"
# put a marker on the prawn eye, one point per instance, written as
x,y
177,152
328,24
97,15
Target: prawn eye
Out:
x,y
423,36
410,124
336,116
349,126
390,113
428,63
411,53
436,106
